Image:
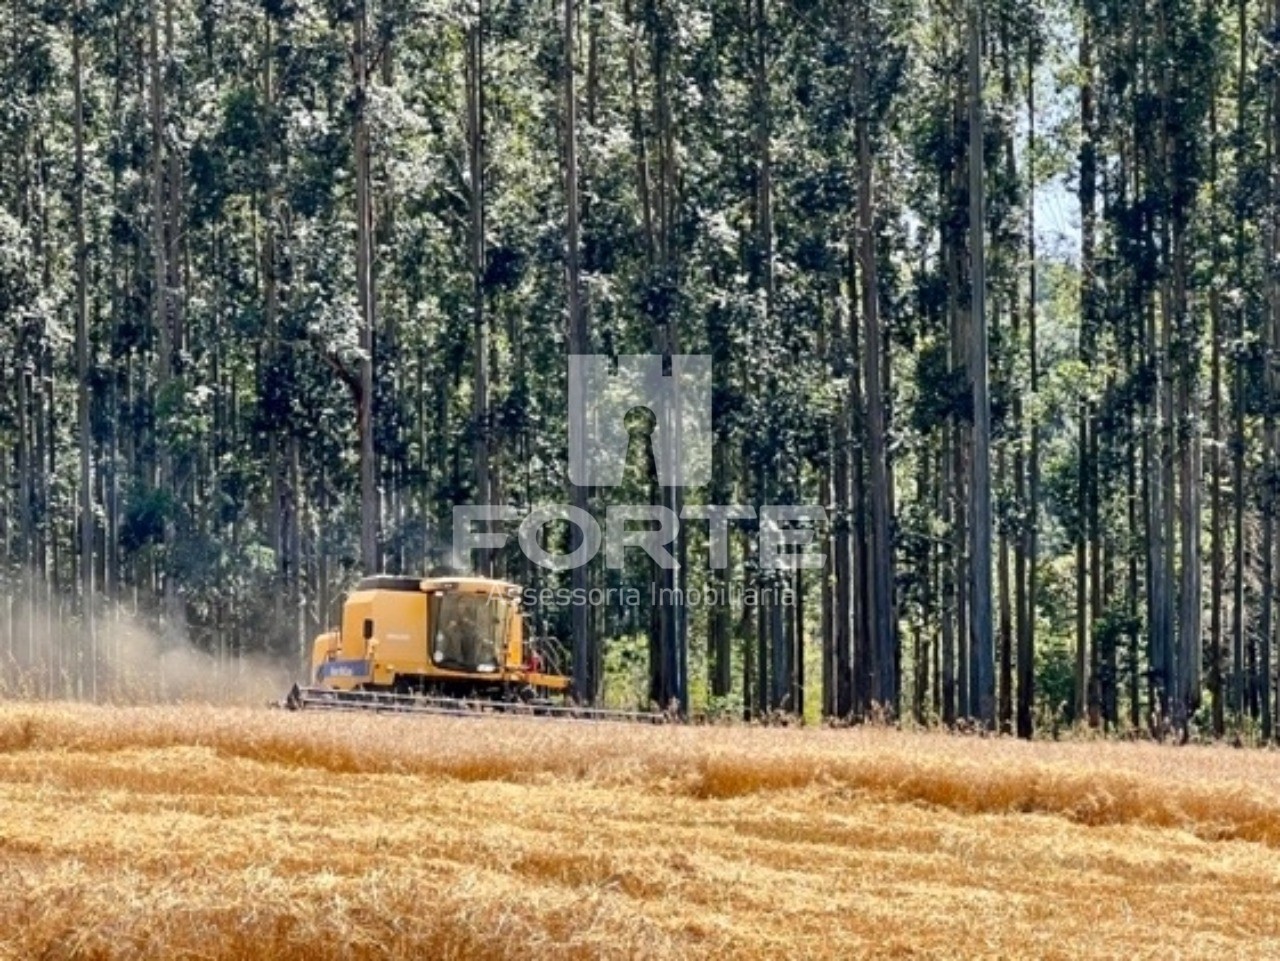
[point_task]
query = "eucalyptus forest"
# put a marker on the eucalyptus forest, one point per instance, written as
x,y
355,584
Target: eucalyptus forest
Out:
x,y
285,281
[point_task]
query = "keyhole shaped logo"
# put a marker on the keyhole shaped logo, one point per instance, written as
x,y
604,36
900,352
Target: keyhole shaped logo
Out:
x,y
675,389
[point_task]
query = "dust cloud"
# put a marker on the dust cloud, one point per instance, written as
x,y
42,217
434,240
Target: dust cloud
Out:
x,y
45,655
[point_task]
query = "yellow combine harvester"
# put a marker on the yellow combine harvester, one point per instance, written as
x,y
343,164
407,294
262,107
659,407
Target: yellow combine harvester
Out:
x,y
438,645
448,635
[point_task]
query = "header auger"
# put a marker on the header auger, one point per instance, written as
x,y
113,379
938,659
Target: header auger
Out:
x,y
440,645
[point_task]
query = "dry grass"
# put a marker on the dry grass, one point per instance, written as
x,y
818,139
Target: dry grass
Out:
x,y
171,832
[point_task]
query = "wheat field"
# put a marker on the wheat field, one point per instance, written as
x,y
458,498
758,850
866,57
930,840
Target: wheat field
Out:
x,y
213,832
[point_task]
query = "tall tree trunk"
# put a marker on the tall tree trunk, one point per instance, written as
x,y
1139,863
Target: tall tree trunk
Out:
x,y
1159,456
87,599
1271,341
670,674
639,137
924,634
1190,650
862,639
827,671
949,568
161,273
959,482
1238,382
482,493
1088,335
844,570
1169,380
159,245
982,651
270,274
1005,615
1012,580
584,684
1030,526
955,662
765,253
883,642
1217,561
790,696
370,507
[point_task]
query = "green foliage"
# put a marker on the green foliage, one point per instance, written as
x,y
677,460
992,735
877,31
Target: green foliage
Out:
x,y
229,471
144,522
1055,680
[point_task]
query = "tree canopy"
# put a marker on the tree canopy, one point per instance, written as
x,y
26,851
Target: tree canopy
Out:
x,y
993,283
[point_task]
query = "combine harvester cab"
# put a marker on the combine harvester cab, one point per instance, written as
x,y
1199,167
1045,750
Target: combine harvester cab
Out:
x,y
439,645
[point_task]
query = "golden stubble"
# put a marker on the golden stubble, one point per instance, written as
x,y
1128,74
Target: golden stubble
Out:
x,y
208,832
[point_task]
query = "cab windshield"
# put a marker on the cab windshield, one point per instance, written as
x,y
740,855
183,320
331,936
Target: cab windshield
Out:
x,y
470,633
